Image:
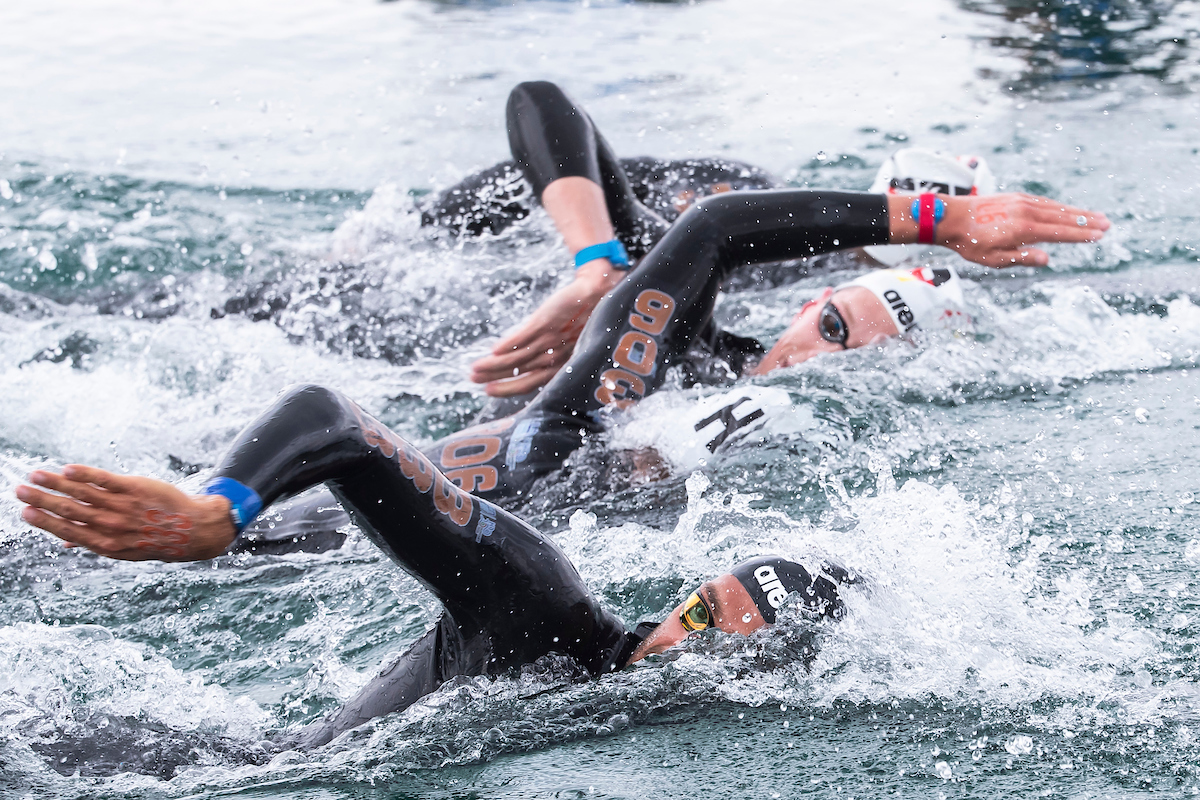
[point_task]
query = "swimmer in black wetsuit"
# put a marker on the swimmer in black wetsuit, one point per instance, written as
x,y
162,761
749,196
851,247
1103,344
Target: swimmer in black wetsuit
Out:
x,y
647,322
511,596
561,160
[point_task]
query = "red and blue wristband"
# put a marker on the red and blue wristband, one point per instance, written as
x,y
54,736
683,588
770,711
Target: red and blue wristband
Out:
x,y
928,210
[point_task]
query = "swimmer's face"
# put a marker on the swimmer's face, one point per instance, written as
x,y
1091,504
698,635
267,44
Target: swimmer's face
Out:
x,y
730,609
867,322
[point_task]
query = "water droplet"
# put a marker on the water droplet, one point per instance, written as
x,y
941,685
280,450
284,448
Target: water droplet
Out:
x,y
1134,584
1114,543
247,249
943,770
1077,454
747,617
1142,415
1019,745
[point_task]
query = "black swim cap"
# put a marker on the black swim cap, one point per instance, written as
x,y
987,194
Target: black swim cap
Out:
x,y
770,579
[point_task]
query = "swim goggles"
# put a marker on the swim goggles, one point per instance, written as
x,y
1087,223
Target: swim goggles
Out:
x,y
695,615
832,325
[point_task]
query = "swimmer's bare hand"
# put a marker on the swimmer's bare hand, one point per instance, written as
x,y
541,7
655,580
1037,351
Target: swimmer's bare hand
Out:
x,y
529,356
999,230
126,517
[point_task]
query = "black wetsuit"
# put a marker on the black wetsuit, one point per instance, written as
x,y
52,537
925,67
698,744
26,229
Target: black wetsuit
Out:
x,y
510,595
641,330
551,137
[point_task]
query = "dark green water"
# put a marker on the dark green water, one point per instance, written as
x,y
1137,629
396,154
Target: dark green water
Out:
x,y
199,207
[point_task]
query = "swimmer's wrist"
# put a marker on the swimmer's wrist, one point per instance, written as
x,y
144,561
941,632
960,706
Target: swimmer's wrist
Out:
x,y
600,274
214,531
950,231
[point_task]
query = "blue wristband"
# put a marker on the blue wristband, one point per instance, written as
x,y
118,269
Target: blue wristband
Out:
x,y
613,250
244,502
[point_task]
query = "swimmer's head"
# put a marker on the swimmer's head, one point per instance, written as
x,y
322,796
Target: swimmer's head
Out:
x,y
745,599
916,171
925,298
869,310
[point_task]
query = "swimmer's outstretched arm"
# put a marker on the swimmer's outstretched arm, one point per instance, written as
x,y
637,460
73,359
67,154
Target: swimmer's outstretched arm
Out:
x,y
998,230
729,231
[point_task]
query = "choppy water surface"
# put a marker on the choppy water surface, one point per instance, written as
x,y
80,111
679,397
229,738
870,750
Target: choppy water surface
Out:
x,y
202,205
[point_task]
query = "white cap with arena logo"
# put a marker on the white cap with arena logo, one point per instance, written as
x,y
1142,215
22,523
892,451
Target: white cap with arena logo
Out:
x,y
925,298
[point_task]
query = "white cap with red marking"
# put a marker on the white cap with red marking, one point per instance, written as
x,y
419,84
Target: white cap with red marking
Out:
x,y
925,298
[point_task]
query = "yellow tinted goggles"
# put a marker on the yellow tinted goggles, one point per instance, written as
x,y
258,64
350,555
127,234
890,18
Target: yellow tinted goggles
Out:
x,y
695,615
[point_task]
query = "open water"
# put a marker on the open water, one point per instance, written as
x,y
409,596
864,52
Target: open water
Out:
x,y
203,203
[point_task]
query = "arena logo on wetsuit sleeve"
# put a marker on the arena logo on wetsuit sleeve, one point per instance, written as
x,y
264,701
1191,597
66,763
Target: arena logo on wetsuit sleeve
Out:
x,y
447,497
635,354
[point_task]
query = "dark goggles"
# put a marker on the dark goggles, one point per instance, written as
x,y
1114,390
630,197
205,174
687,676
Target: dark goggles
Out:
x,y
832,325
695,615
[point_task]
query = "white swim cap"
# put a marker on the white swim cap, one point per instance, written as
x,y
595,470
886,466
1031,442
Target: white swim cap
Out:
x,y
915,171
925,298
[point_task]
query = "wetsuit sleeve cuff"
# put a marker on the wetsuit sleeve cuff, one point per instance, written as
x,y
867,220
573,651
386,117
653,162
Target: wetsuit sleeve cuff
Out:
x,y
244,502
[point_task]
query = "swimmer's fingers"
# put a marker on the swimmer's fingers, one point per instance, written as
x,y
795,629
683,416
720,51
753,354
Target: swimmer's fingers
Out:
x,y
87,484
1048,213
66,507
77,534
521,384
